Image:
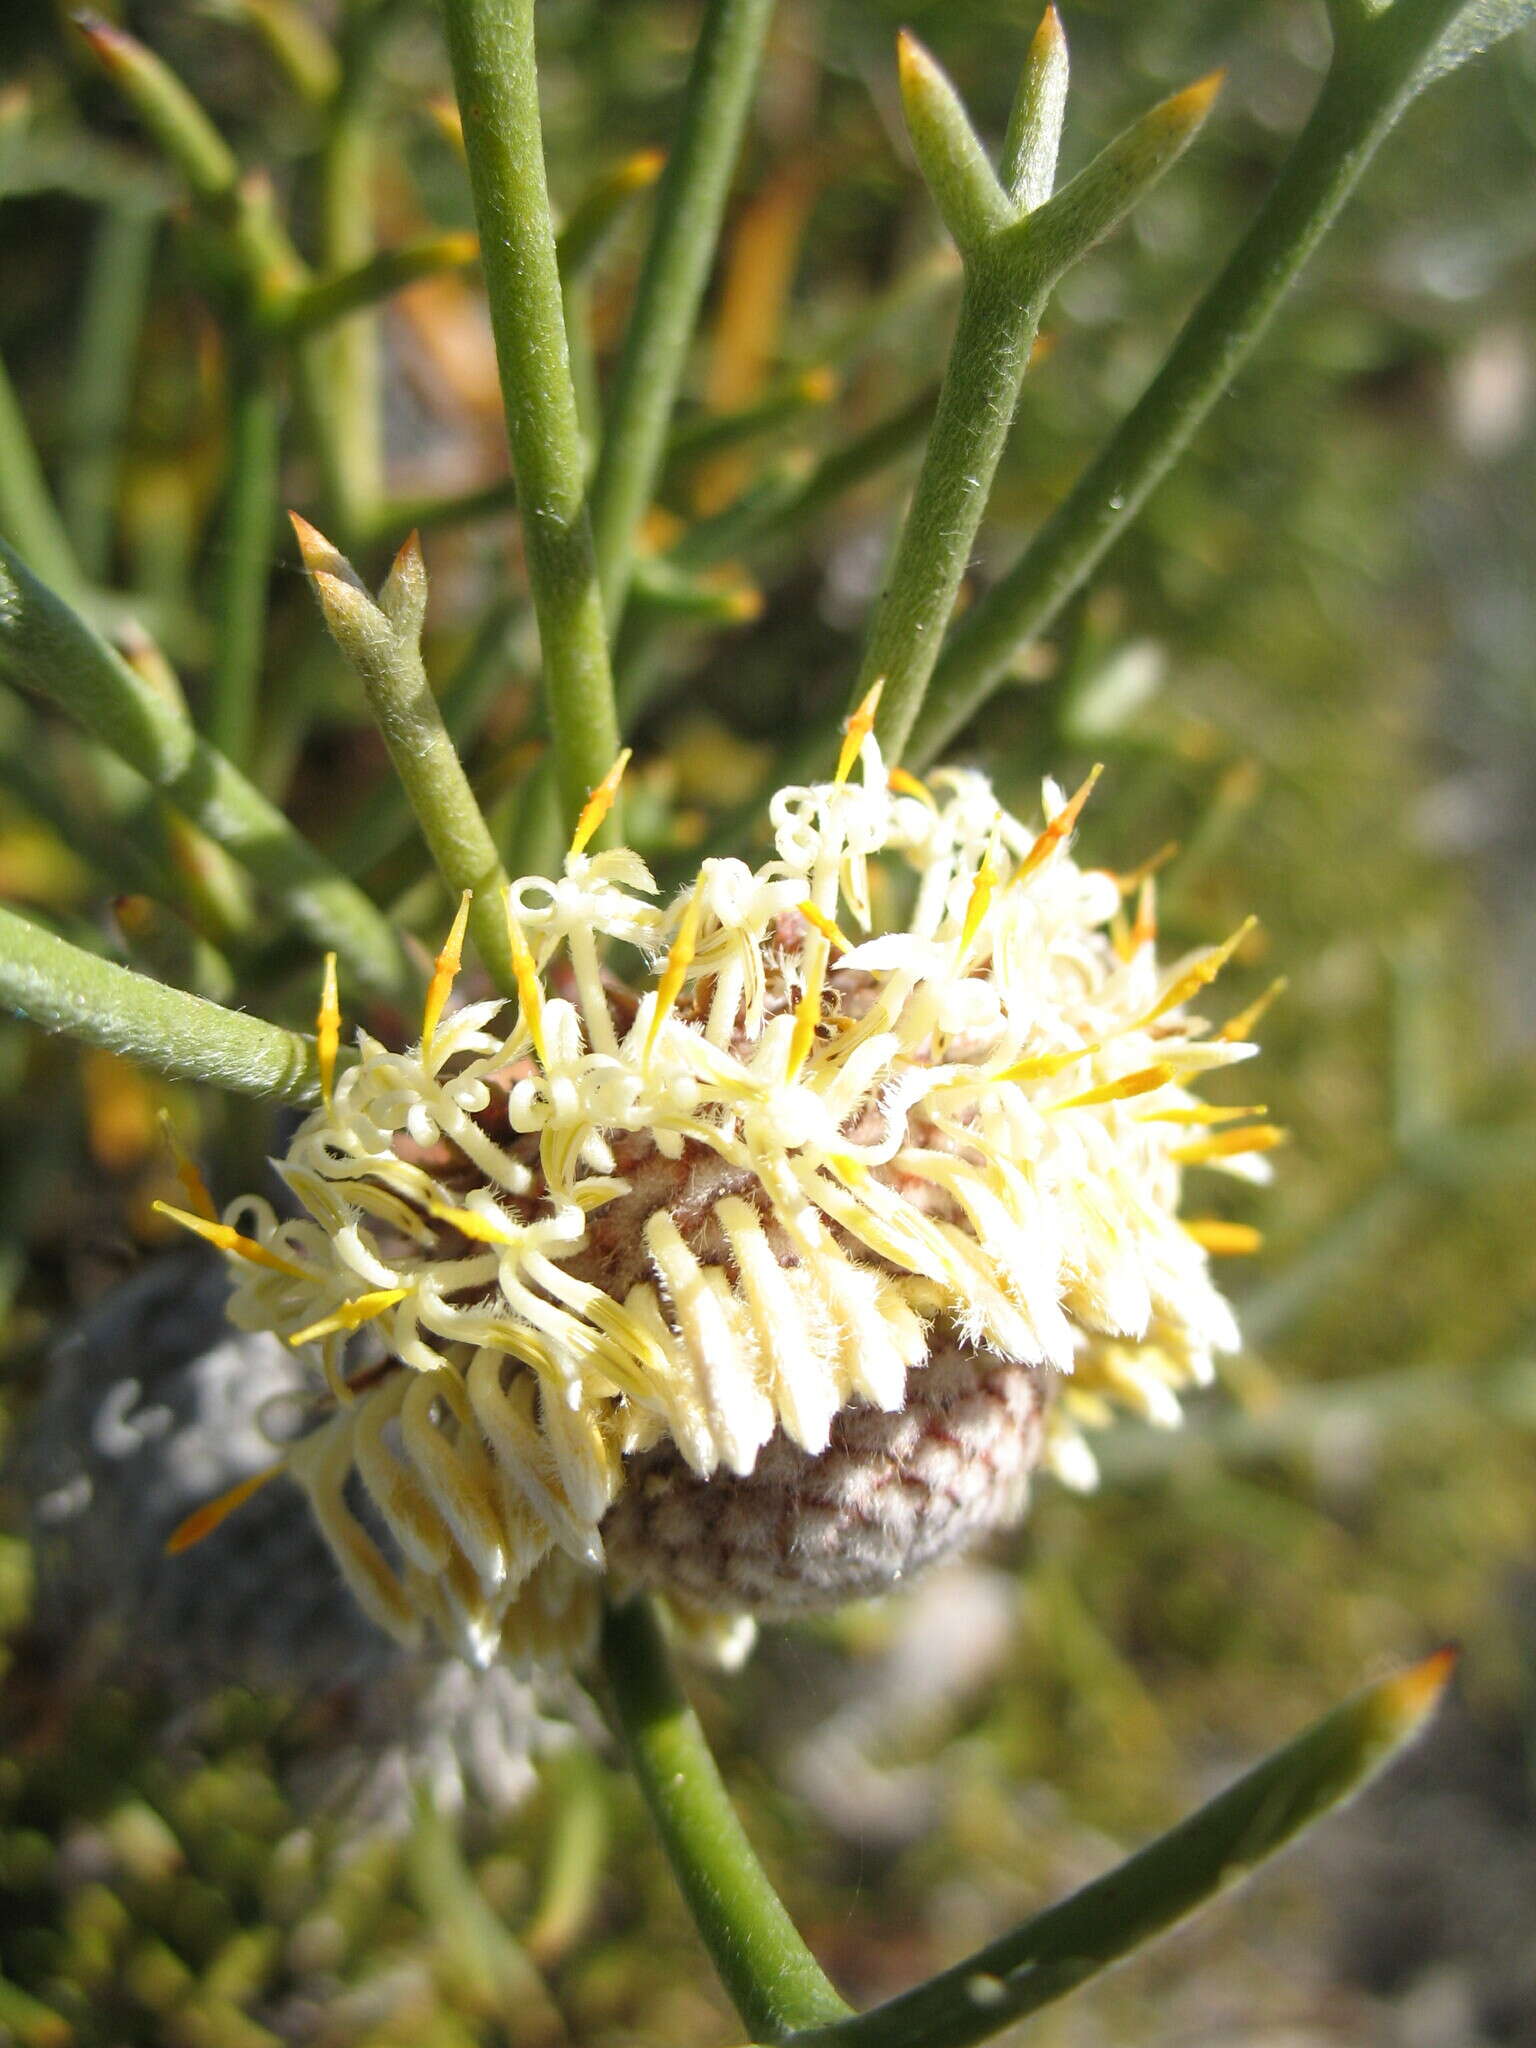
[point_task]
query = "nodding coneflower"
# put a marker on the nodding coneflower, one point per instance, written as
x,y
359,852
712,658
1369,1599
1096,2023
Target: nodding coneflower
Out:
x,y
770,1282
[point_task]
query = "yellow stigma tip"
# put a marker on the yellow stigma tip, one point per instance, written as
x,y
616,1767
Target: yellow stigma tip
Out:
x,y
328,1029
445,973
1221,1239
1144,930
905,783
1229,1144
819,920
679,959
351,1315
599,804
1200,974
858,729
228,1240
483,1229
526,975
195,1187
982,890
204,1520
1143,1082
1062,825
1042,1065
807,1015
1238,1028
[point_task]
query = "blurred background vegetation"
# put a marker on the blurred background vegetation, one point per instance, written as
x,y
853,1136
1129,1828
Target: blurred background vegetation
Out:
x,y
1313,666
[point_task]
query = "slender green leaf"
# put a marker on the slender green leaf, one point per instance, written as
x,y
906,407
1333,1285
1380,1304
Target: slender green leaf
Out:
x,y
954,165
60,987
46,647
1162,1884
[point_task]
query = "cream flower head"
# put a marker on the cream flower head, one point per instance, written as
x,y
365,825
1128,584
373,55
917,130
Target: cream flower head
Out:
x,y
616,1245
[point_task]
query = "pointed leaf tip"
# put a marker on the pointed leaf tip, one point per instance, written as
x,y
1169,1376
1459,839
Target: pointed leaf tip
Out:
x,y
1408,1700
321,557
1195,101
1049,33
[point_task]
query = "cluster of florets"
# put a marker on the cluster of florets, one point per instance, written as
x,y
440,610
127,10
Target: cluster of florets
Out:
x,y
735,1205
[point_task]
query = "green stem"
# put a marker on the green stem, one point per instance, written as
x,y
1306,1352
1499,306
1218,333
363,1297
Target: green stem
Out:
x,y
1367,87
340,371
28,515
46,647
245,557
101,379
59,987
492,47
993,338
690,204
774,1981
382,644
325,300
1162,1884
379,823
785,404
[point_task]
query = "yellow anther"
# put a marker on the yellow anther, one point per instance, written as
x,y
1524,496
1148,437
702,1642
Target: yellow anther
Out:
x,y
444,974
351,1315
905,783
198,1197
1206,1113
328,1029
525,973
1229,1144
679,959
1237,1028
1140,1083
1221,1239
982,889
807,1013
825,925
857,730
1044,1064
228,1240
204,1520
471,1223
599,803
1199,975
1061,826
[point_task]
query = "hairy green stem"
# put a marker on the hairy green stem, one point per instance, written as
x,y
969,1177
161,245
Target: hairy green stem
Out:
x,y
46,647
245,557
690,204
976,405
492,47
62,988
1368,85
774,1981
382,643
381,821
